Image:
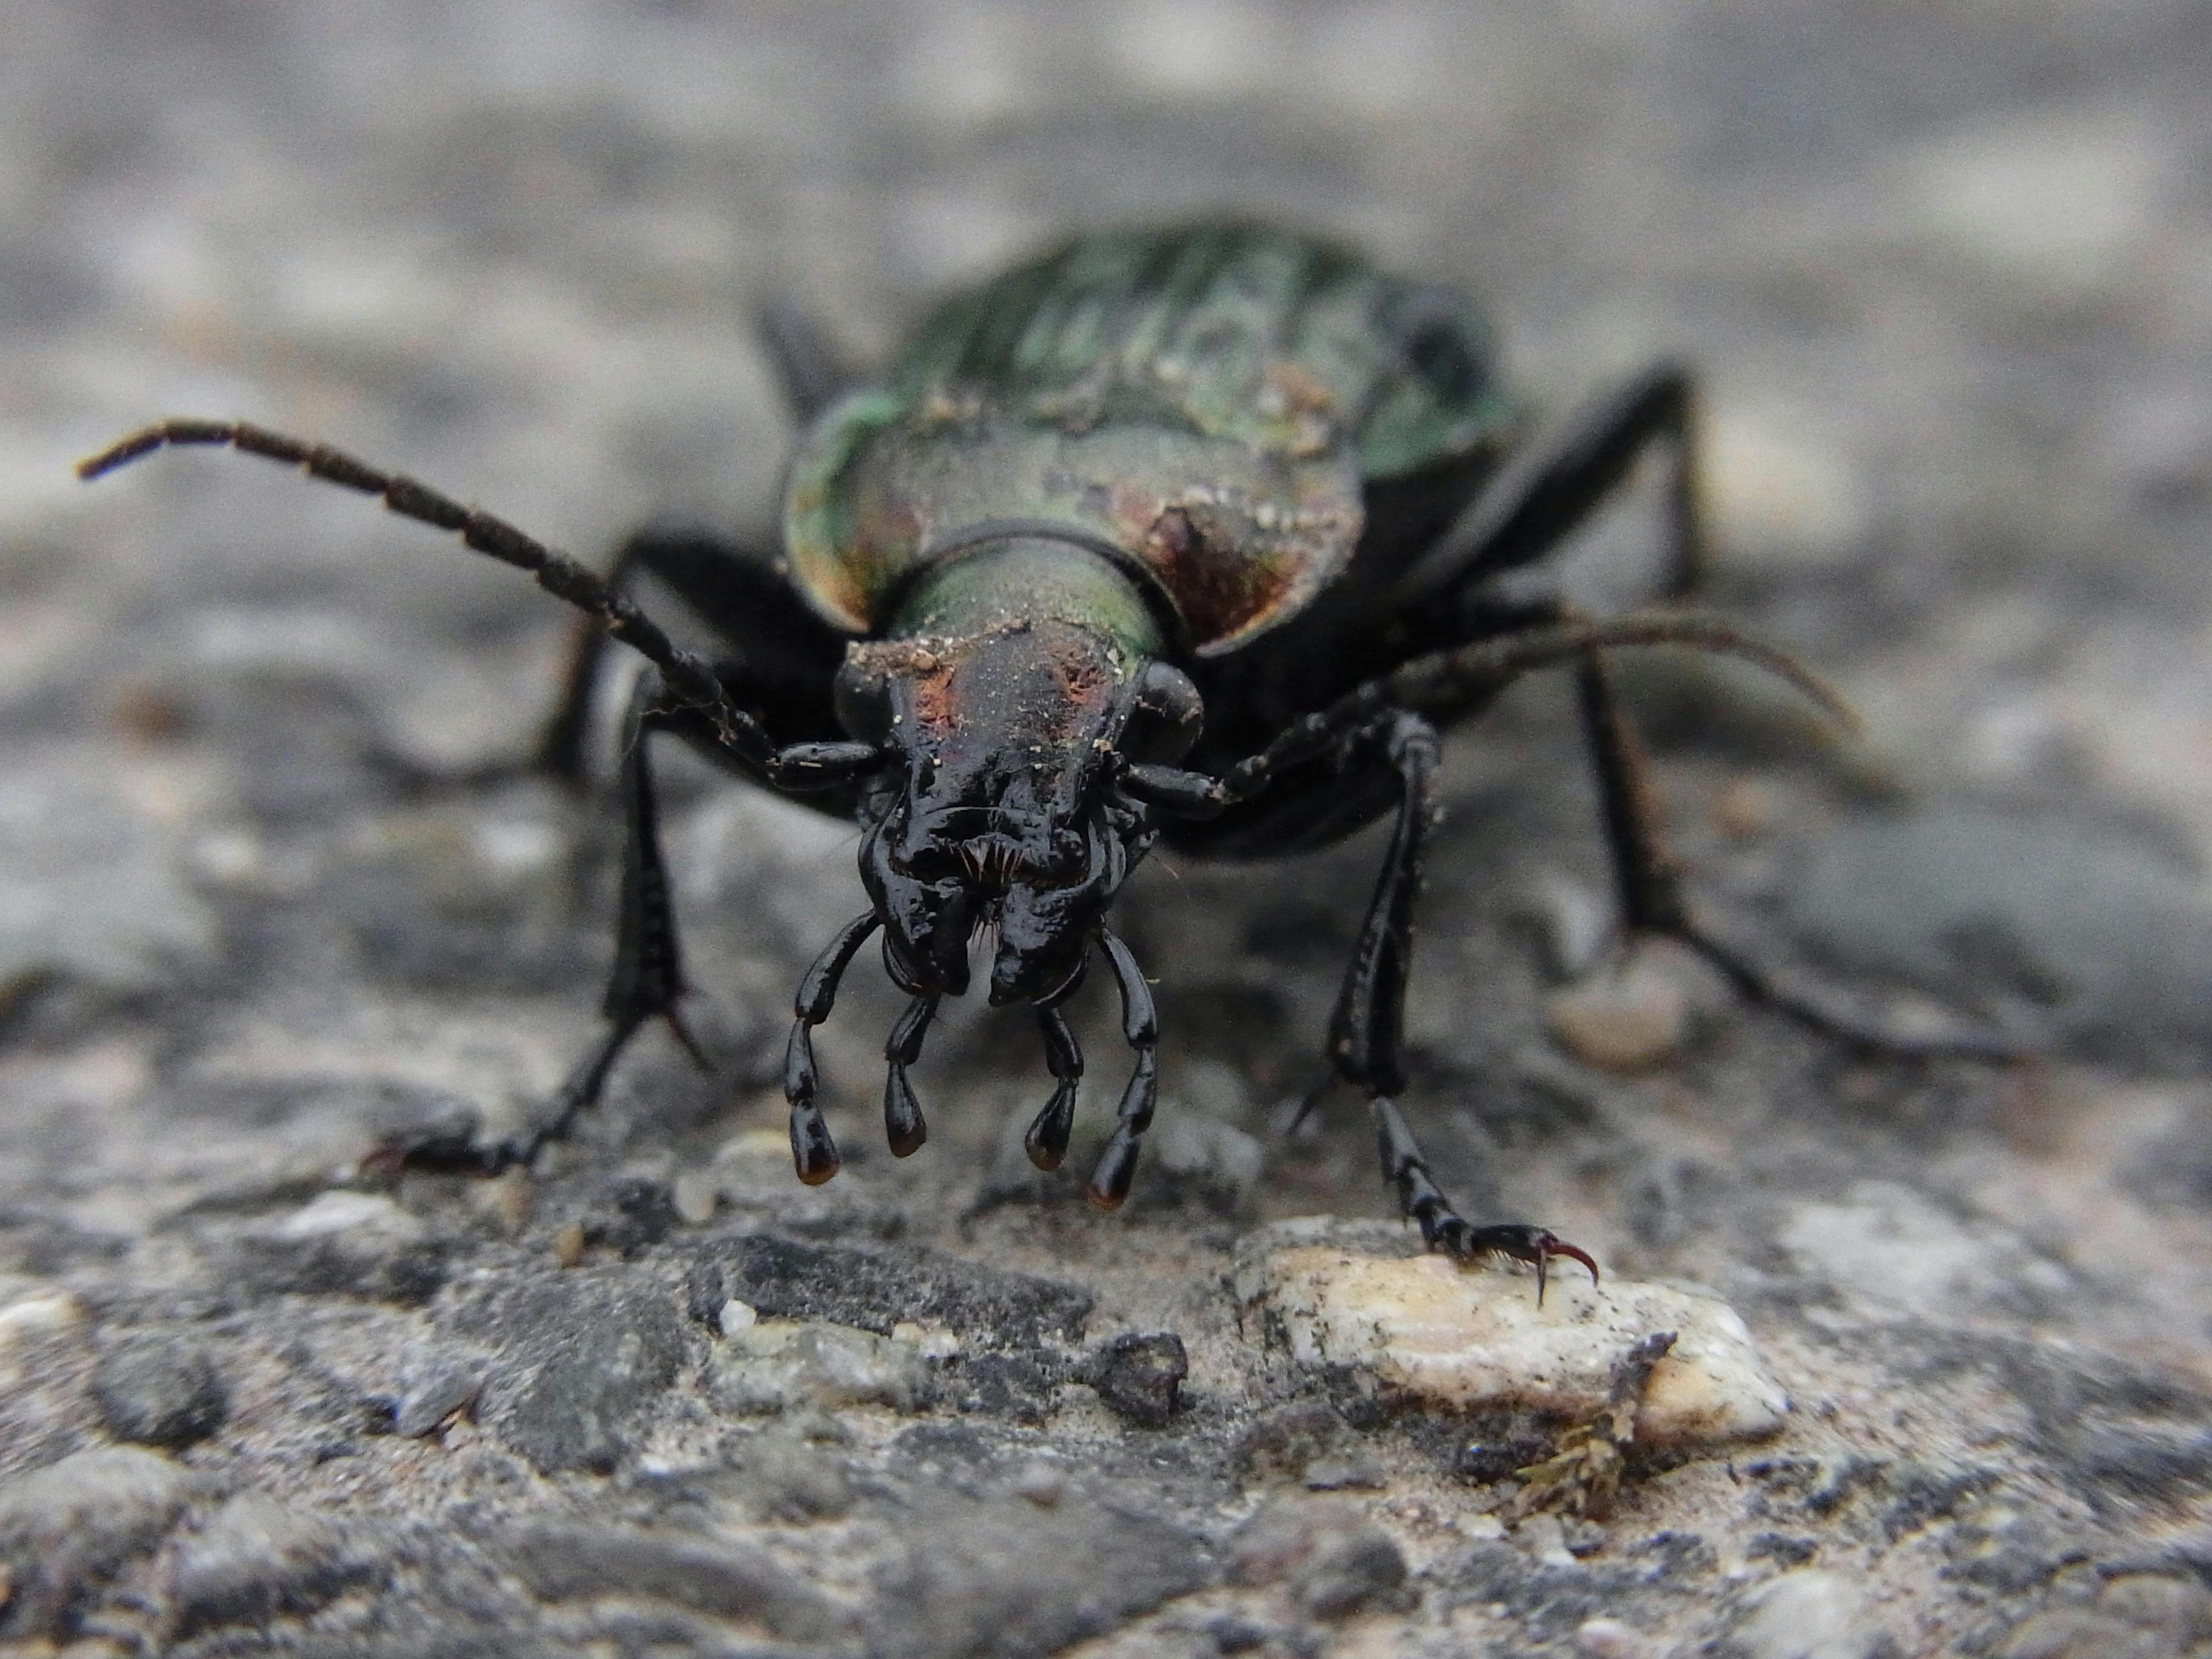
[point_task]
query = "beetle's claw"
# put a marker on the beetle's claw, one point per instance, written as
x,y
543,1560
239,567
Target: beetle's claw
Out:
x,y
1534,1245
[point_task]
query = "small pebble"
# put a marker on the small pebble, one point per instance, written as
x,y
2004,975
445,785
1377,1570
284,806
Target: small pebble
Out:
x,y
1139,1376
1572,921
434,1387
695,1195
1636,1014
155,1390
1809,1612
1343,1474
738,1316
1547,1541
1475,1339
568,1245
1042,1483
39,1316
507,1198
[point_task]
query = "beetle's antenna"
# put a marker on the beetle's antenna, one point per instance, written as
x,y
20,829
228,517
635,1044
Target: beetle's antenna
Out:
x,y
1450,677
687,675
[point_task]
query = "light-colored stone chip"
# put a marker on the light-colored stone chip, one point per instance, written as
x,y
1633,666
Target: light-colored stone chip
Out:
x,y
1476,1339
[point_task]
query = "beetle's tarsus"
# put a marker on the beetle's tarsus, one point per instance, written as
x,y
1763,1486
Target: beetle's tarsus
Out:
x,y
813,1153
903,1127
1046,1143
1443,1229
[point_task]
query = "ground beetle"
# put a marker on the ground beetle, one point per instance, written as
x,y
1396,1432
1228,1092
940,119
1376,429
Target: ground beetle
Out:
x,y
1193,534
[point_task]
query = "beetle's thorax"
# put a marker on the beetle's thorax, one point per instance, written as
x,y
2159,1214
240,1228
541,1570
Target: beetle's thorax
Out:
x,y
1003,688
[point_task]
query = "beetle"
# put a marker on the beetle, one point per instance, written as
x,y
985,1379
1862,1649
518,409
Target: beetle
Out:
x,y
1198,534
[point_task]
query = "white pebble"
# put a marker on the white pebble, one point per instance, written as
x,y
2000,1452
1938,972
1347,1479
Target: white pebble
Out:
x,y
739,1316
694,1194
1475,1339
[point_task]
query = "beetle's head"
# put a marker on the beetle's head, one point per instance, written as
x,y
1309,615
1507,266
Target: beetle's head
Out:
x,y
1000,812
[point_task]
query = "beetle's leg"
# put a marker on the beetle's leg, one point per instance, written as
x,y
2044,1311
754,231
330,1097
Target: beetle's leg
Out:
x,y
902,1122
648,981
788,653
1109,1186
811,371
1046,1140
1549,490
1441,1227
1647,889
813,1153
1366,1034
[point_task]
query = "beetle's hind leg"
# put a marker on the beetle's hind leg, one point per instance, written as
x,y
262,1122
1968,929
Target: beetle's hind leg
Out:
x,y
1649,892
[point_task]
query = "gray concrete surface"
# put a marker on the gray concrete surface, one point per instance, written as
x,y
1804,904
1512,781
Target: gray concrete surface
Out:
x,y
1947,267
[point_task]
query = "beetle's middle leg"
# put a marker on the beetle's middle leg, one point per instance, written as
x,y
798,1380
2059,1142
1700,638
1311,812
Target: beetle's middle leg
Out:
x,y
1366,1043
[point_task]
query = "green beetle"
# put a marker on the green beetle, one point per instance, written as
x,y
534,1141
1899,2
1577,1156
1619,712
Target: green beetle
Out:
x,y
1192,533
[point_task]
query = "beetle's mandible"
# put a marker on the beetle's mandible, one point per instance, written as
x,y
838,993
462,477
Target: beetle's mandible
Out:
x,y
1192,534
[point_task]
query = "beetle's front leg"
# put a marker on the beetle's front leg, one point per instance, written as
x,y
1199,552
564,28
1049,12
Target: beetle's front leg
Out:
x,y
648,981
1441,1227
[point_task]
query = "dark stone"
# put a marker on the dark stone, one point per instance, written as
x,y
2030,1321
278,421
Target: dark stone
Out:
x,y
256,1558
159,1390
1140,1377
2142,1465
876,1289
1004,1579
1233,1635
1358,1570
1021,1386
2094,935
66,1526
1782,1547
711,1574
638,1214
581,1356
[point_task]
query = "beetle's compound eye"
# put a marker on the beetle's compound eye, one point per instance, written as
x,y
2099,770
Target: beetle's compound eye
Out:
x,y
1167,718
862,695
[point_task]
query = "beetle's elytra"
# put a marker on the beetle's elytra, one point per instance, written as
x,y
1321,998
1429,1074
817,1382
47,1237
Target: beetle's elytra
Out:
x,y
1190,534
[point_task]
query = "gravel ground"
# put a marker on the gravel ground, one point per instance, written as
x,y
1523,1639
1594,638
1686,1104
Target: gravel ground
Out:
x,y
1948,269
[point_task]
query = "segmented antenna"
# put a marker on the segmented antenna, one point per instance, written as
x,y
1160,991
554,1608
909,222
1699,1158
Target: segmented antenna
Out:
x,y
688,675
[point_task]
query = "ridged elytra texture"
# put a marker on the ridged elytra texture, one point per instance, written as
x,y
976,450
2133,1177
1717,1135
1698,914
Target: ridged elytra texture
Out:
x,y
1209,400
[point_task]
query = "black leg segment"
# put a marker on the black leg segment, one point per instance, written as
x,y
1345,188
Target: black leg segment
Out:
x,y
1441,1227
1548,494
813,1152
1109,1186
1366,1039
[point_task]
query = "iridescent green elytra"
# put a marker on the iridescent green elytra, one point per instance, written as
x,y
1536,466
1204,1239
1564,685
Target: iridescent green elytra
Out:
x,y
1210,401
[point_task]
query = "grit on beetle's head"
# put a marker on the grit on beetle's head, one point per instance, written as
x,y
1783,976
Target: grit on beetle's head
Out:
x,y
1016,681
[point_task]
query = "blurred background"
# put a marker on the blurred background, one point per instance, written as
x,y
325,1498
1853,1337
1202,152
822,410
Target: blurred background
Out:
x,y
1944,266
